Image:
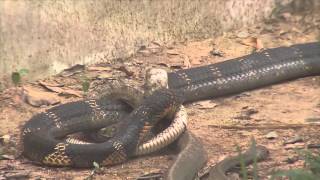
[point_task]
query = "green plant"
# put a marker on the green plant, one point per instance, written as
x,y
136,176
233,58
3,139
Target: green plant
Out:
x,y
243,169
310,172
85,84
17,75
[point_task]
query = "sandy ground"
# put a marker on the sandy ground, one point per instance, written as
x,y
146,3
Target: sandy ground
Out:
x,y
221,124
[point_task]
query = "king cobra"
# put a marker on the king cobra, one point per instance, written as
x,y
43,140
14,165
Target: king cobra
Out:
x,y
249,72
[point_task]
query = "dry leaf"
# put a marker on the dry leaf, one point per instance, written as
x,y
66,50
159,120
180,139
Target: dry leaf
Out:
x,y
253,42
126,70
37,97
243,34
298,145
186,62
272,135
208,104
174,61
259,45
72,70
64,91
195,61
7,157
172,52
105,76
50,84
99,68
68,91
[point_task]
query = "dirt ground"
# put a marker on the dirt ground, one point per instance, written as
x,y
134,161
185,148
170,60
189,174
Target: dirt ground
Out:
x,y
285,110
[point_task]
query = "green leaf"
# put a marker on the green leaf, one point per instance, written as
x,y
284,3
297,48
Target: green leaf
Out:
x,y
85,85
23,72
243,169
255,159
16,78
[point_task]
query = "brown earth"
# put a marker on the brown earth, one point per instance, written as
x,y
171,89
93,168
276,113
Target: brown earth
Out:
x,y
221,123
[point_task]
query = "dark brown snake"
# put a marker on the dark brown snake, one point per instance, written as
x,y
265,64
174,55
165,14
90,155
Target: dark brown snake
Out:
x,y
41,134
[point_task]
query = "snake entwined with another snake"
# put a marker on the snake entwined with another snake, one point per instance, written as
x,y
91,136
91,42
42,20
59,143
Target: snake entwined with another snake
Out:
x,y
44,136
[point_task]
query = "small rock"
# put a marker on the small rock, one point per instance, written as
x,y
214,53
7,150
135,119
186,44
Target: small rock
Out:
x,y
272,135
216,52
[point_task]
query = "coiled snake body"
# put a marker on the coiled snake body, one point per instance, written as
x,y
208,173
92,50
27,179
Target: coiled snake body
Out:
x,y
233,76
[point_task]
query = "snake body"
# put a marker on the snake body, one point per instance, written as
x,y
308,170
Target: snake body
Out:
x,y
248,72
232,76
41,134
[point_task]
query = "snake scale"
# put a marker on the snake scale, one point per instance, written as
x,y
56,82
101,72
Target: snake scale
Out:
x,y
184,86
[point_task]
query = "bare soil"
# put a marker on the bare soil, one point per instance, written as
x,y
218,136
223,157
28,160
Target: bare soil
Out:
x,y
221,123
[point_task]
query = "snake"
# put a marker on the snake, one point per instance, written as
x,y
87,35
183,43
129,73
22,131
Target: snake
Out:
x,y
256,70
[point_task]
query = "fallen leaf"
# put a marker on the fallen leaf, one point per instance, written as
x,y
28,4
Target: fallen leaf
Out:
x,y
298,145
7,157
154,47
64,91
105,76
208,104
186,62
50,84
293,140
37,97
17,174
126,70
259,45
253,42
172,52
72,70
174,61
99,68
67,91
243,34
144,52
